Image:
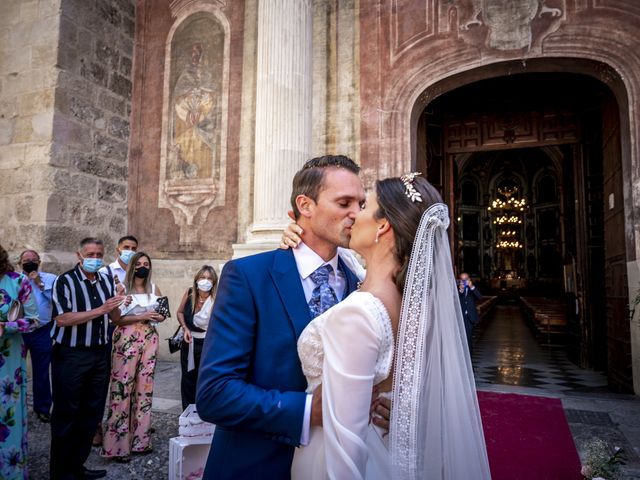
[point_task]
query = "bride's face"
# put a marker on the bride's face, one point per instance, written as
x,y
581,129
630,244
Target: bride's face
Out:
x,y
363,231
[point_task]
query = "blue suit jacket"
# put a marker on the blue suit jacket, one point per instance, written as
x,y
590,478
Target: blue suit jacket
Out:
x,y
250,382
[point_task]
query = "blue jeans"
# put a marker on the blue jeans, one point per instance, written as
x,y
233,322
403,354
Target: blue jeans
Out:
x,y
38,344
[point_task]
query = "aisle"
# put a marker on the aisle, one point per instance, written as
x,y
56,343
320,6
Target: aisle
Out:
x,y
507,353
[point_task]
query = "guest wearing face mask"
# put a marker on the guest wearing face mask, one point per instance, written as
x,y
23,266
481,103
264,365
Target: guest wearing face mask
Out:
x,y
126,248
83,301
193,314
38,342
18,315
135,346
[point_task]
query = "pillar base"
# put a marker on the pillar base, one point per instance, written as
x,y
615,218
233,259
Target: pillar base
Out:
x,y
245,249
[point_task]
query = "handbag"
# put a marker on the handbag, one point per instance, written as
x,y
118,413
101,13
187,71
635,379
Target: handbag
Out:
x,y
16,311
175,340
163,307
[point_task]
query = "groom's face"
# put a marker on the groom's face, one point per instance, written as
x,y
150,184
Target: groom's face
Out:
x,y
339,201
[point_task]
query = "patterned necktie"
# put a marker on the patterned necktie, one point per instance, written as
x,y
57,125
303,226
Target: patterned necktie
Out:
x,y
323,296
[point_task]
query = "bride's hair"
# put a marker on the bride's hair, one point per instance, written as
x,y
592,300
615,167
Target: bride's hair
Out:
x,y
404,215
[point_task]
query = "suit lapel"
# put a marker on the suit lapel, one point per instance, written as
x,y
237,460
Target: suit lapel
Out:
x,y
287,282
352,280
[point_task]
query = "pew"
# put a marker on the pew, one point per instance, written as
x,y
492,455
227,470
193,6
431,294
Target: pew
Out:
x,y
485,305
548,316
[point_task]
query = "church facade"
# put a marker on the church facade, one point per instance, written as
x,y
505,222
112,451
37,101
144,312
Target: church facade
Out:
x,y
183,121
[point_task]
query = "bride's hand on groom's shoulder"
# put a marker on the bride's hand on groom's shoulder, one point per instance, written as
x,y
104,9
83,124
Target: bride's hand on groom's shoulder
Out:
x,y
291,235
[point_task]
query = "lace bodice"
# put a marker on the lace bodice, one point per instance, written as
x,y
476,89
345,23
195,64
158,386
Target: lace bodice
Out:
x,y
310,344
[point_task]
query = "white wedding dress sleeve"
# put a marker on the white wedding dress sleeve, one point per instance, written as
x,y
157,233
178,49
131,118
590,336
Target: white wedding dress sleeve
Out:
x,y
349,349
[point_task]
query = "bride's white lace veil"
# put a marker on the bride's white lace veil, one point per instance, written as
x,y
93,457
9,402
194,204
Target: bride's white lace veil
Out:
x,y
436,429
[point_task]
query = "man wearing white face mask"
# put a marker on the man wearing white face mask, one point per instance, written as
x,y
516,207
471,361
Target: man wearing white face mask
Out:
x,y
126,248
194,313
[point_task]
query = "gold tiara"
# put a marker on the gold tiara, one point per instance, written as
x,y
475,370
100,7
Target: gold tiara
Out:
x,y
410,190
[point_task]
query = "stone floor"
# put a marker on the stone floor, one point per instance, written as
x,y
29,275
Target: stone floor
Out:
x,y
507,358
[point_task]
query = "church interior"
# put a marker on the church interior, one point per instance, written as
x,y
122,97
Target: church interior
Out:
x,y
526,160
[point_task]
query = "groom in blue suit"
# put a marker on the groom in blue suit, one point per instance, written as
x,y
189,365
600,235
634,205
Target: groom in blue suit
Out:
x,y
250,382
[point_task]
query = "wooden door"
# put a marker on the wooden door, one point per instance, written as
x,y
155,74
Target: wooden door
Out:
x,y
615,269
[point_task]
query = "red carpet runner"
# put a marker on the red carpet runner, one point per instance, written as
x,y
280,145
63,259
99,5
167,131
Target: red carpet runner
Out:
x,y
528,438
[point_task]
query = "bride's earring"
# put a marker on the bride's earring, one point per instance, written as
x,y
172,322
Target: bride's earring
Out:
x,y
377,235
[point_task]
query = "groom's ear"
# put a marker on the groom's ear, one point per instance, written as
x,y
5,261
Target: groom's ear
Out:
x,y
305,205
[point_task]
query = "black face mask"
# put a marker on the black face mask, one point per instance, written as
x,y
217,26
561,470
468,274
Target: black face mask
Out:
x,y
142,272
29,267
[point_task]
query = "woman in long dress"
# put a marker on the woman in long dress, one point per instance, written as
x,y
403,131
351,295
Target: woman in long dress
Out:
x,y
405,317
13,371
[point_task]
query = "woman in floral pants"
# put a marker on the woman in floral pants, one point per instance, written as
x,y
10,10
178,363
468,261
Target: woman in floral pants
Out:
x,y
135,346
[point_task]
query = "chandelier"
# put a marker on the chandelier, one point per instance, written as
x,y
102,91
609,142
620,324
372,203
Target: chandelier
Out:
x,y
507,244
507,213
513,219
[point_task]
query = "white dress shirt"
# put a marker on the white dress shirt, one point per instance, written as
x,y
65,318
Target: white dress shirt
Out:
x,y
308,262
114,269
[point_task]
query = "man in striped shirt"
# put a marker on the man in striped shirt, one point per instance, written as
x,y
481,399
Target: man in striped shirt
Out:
x,y
83,302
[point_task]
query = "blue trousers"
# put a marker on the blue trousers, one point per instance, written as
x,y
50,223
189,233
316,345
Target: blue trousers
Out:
x,y
38,344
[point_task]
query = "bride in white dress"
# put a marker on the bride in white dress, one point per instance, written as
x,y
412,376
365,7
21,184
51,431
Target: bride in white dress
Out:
x,y
409,294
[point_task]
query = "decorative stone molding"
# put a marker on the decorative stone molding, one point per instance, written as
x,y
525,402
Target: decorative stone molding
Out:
x,y
178,7
194,127
524,25
512,28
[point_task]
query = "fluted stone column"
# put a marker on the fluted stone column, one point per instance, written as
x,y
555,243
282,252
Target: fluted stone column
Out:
x,y
283,114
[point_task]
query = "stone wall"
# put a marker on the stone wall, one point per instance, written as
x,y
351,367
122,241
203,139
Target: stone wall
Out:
x,y
88,163
28,78
65,96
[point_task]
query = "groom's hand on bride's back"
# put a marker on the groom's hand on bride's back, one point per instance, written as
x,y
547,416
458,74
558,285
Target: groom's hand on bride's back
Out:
x,y
316,407
380,411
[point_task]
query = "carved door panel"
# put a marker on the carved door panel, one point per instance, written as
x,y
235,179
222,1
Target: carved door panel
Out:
x,y
590,244
617,313
438,169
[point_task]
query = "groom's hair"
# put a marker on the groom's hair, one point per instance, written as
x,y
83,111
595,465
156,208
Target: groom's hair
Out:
x,y
308,180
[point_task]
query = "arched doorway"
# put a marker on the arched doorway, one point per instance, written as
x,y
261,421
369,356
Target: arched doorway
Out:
x,y
549,143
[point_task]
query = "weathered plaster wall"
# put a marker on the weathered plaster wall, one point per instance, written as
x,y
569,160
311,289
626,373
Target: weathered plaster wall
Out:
x,y
155,217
